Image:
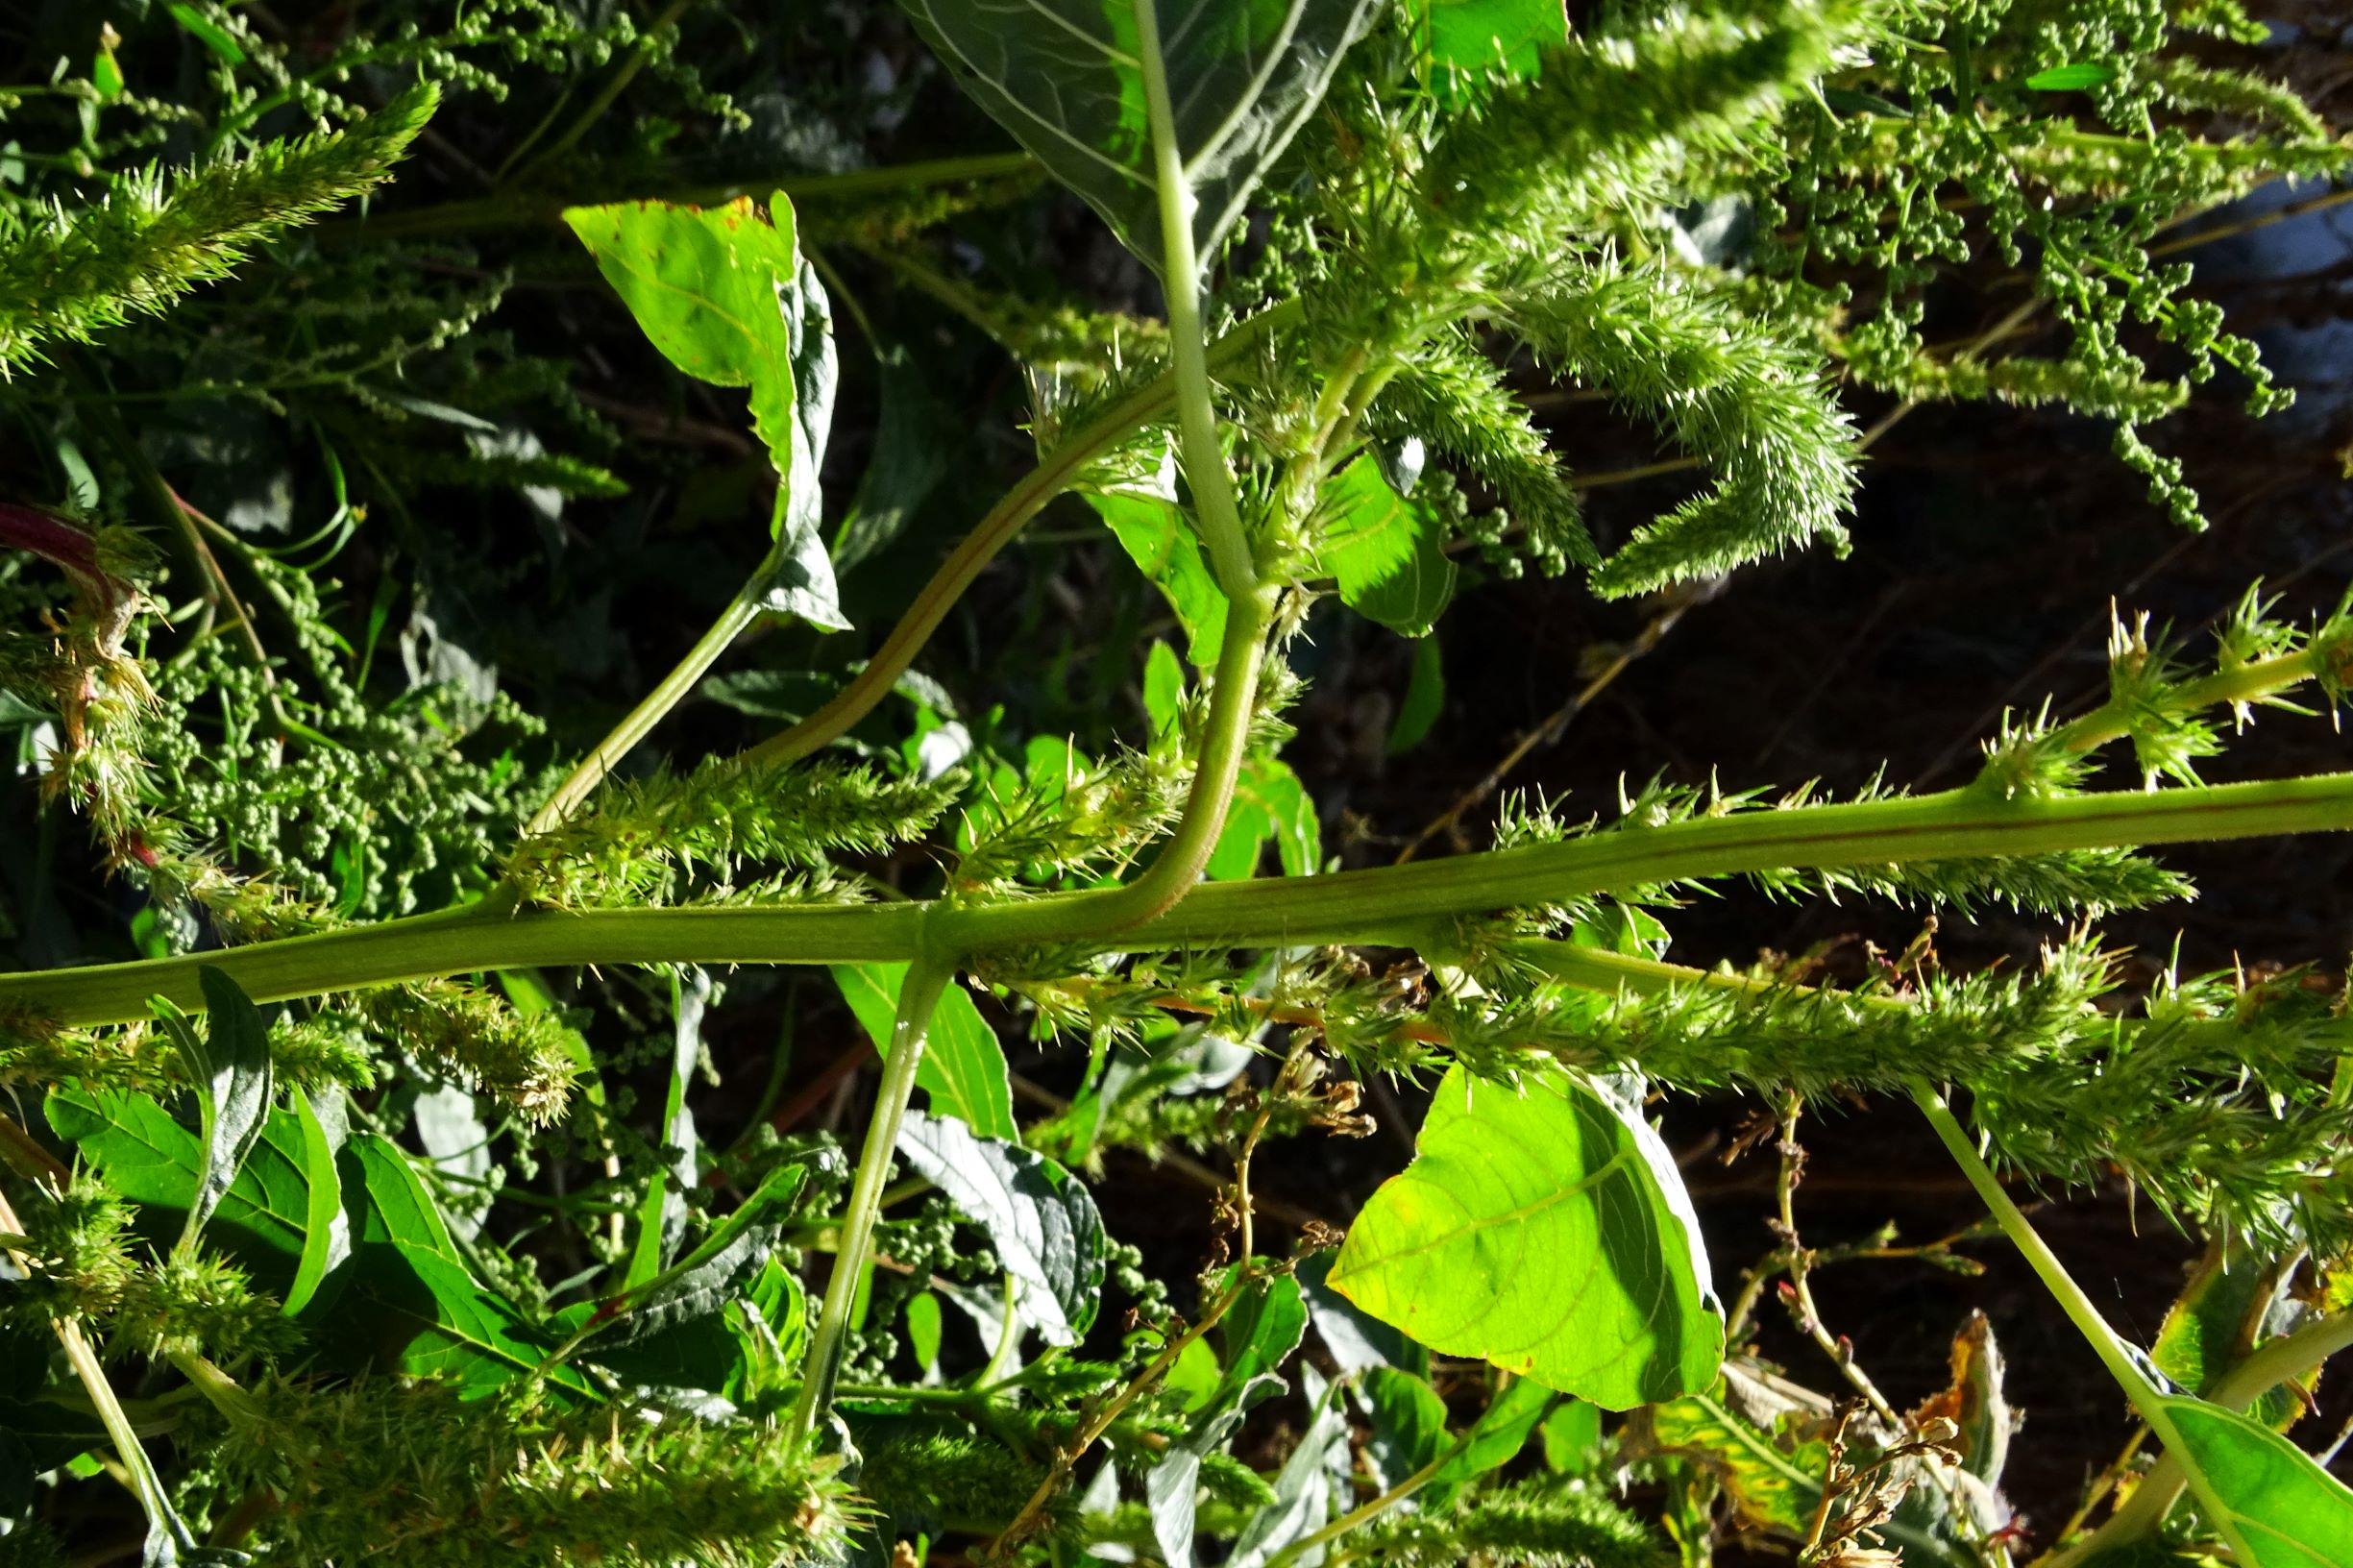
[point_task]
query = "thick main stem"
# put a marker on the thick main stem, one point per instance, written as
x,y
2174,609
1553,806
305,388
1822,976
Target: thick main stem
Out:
x,y
2078,1307
918,996
1391,902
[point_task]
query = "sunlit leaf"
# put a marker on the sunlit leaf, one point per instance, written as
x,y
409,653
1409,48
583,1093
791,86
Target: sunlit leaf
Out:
x,y
1545,1231
1385,552
2277,1499
228,1062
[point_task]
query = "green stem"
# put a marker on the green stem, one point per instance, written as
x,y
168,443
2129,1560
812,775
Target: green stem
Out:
x,y
1391,902
1366,1512
741,612
1053,475
2079,1309
1205,462
2250,682
2277,1361
918,995
1172,874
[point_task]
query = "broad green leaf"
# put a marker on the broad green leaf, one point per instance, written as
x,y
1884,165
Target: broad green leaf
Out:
x,y
1545,1231
726,297
1040,1220
1502,1430
1066,77
913,433
264,1218
1261,1331
228,1063
713,1274
2289,1511
410,1299
1387,553
1409,1424
1424,700
924,1329
1269,802
1572,1436
964,1068
1473,37
327,1231
1163,690
1161,542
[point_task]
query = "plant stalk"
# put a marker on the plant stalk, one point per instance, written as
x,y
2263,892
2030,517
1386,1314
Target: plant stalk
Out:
x,y
918,995
2079,1309
1383,903
1205,461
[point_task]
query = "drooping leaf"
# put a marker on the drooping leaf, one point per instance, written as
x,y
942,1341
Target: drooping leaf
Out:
x,y
661,1214
913,433
727,298
410,1300
228,1063
1774,1484
1302,1503
2277,1499
1067,78
1545,1231
1424,700
1387,554
1503,1429
1040,1220
1162,543
1261,1331
964,1068
1409,1424
327,1230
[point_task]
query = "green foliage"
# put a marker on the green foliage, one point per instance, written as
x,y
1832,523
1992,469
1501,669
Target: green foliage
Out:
x,y
394,1288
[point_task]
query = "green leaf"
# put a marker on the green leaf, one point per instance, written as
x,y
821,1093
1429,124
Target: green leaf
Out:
x,y
913,433
327,1231
1502,1430
2073,78
1261,1331
1424,700
230,1064
924,1329
1303,1488
206,31
1040,1220
661,1214
2234,1300
2277,1499
1387,554
1163,690
1473,37
1409,1424
264,1218
1572,1436
715,1273
1269,802
1157,538
1066,77
964,1068
1355,1342
411,1300
727,298
1545,1231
